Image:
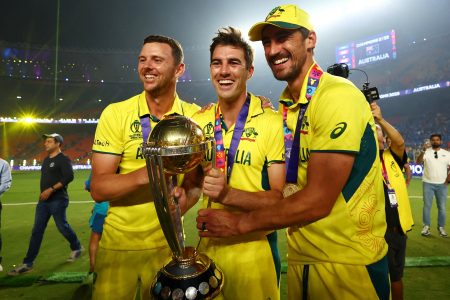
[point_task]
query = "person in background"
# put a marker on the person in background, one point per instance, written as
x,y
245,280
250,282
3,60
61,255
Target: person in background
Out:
x,y
399,218
334,199
99,212
408,173
5,184
56,174
435,178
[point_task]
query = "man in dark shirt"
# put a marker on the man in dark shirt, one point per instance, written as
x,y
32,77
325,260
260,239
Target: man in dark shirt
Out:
x,y
56,174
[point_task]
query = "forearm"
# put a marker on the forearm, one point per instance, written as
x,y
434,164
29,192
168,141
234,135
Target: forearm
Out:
x,y
419,159
248,201
192,185
296,210
113,187
314,202
57,186
397,141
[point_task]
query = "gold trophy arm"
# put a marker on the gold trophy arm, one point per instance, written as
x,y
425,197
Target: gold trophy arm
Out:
x,y
165,206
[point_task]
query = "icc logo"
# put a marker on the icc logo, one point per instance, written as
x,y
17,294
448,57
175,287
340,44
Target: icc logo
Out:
x,y
135,126
208,129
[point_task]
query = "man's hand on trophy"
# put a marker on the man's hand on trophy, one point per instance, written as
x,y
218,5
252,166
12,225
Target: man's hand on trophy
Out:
x,y
215,184
218,223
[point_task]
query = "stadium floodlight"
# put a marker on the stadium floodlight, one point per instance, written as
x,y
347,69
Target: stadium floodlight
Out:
x,y
28,120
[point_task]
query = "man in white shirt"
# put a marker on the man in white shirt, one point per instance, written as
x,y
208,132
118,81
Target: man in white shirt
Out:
x,y
436,177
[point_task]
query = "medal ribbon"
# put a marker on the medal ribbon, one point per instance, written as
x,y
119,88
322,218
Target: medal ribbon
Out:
x,y
238,129
146,127
292,146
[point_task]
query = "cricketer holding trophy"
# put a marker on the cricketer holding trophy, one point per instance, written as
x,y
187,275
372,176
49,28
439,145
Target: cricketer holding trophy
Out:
x,y
249,170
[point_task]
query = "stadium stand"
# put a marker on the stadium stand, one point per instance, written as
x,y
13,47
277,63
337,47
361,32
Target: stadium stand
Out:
x,y
89,79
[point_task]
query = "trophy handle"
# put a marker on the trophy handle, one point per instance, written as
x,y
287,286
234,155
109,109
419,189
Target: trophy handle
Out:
x,y
167,207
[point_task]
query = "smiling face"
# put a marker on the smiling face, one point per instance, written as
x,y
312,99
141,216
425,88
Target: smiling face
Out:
x,y
228,71
286,52
157,68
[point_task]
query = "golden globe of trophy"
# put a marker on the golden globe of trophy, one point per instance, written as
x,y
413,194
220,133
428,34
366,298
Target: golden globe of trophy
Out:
x,y
176,146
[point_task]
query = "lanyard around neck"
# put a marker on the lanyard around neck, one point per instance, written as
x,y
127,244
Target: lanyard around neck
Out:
x,y
292,144
384,172
237,133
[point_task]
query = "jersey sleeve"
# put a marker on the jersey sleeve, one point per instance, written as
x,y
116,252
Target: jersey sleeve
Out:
x,y
108,138
275,139
339,119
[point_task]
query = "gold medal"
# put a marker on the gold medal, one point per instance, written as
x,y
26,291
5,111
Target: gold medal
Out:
x,y
289,189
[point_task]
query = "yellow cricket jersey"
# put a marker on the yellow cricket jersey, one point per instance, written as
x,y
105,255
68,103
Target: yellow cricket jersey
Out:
x,y
338,119
251,259
397,181
261,144
132,224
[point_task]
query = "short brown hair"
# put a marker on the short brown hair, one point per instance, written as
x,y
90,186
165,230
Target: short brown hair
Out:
x,y
233,37
177,50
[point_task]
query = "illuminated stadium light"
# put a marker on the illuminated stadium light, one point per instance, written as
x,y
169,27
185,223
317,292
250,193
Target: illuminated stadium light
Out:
x,y
19,97
61,99
27,120
99,100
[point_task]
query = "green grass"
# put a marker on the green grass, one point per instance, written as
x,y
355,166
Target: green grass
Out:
x,y
17,220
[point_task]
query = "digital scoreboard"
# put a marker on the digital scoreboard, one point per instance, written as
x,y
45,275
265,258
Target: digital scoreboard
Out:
x,y
380,47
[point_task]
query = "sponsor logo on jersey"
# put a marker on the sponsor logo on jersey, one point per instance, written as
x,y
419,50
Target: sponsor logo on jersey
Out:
x,y
135,130
98,142
338,130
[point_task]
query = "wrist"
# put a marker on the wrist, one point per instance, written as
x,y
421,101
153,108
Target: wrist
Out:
x,y
224,199
52,188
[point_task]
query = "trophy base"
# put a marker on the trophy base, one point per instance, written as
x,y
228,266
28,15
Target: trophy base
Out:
x,y
193,276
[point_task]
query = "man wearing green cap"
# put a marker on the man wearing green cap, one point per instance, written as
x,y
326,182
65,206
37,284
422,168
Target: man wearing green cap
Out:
x,y
334,201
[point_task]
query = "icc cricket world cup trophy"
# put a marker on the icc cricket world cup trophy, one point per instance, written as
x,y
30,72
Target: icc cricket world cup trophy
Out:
x,y
175,146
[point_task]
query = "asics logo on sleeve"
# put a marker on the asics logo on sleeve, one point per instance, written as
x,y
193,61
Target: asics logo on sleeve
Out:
x,y
338,130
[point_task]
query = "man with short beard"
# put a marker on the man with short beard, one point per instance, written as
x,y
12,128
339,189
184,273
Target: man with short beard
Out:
x,y
435,178
133,247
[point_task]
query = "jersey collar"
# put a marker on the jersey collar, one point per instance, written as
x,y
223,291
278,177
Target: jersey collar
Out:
x,y
177,108
286,98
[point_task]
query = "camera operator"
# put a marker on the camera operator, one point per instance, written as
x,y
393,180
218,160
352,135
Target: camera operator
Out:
x,y
398,211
